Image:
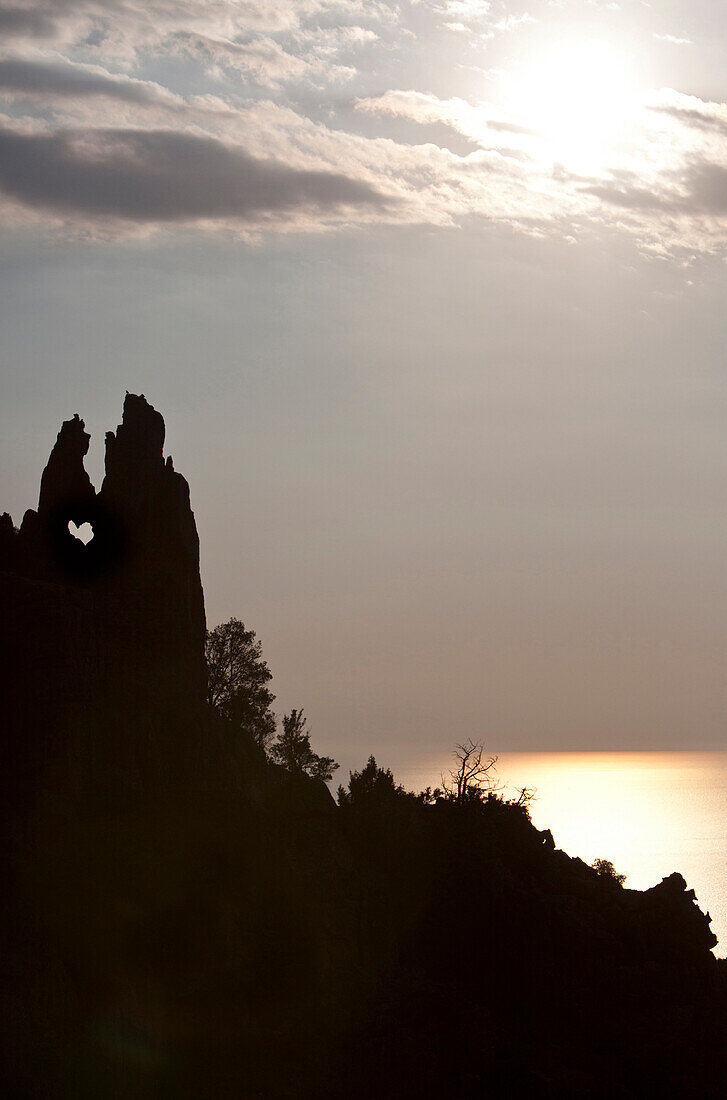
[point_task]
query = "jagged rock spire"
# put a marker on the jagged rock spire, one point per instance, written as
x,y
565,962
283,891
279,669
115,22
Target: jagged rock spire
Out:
x,y
117,626
65,485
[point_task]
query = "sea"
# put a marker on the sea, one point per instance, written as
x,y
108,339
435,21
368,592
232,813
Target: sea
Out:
x,y
650,813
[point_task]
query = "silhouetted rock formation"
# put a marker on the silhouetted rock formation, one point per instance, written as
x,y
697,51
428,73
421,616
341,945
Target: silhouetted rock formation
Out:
x,y
155,602
66,492
184,920
107,636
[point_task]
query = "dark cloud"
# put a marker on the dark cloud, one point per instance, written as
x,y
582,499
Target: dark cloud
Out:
x,y
162,176
45,18
510,128
33,22
629,196
35,78
49,19
692,116
702,189
708,188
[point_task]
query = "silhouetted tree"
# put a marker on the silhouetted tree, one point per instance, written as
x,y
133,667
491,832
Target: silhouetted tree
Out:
x,y
371,786
525,795
237,680
471,778
293,750
606,869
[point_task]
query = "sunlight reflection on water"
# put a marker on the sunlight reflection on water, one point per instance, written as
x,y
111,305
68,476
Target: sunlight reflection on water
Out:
x,y
650,813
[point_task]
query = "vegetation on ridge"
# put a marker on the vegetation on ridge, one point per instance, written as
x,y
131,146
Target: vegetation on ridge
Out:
x,y
185,917
237,679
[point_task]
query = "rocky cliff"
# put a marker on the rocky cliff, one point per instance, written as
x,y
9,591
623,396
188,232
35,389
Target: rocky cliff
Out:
x,y
105,640
183,920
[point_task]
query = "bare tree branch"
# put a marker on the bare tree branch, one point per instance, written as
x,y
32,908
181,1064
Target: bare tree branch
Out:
x,y
471,778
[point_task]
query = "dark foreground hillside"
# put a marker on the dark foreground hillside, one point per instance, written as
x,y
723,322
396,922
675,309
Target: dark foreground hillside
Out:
x,y
184,919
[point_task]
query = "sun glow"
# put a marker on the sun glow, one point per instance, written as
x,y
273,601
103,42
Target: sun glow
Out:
x,y
580,99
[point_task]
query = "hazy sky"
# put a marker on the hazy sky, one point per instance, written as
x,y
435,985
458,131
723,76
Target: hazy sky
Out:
x,y
432,297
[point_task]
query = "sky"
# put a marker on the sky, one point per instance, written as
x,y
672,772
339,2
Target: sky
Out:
x,y
431,296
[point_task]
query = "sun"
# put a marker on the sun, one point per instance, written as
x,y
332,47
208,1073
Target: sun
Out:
x,y
580,100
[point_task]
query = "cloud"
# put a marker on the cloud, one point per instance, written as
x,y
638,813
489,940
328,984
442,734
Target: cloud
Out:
x,y
690,111
102,147
466,10
701,189
26,22
63,79
239,35
263,56
674,40
508,127
50,16
473,121
707,185
161,176
128,31
469,15
512,22
630,196
118,25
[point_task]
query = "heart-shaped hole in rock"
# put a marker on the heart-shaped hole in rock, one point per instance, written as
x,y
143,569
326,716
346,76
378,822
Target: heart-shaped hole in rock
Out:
x,y
84,533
